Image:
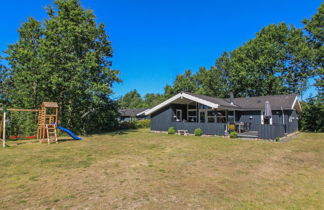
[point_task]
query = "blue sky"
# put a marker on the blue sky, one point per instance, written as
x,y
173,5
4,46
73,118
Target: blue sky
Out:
x,y
155,40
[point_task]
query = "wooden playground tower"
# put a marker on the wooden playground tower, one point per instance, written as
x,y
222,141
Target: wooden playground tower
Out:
x,y
47,122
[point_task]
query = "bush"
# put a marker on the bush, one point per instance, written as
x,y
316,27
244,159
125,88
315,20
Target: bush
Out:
x,y
171,130
233,134
143,123
277,138
198,132
124,125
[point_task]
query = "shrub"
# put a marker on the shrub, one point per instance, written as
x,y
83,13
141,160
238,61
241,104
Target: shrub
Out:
x,y
171,130
233,134
143,123
277,138
123,125
198,132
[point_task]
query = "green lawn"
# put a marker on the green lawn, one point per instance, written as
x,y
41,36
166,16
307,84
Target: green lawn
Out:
x,y
139,169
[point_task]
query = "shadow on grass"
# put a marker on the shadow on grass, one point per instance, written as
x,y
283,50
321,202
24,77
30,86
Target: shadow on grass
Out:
x,y
115,133
67,139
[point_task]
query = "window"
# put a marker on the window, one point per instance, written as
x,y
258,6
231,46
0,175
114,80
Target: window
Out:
x,y
192,105
192,112
220,116
202,116
201,106
178,115
231,116
211,116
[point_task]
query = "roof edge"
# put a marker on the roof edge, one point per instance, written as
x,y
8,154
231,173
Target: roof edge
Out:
x,y
181,95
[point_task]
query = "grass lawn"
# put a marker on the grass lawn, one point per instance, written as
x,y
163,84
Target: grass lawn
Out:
x,y
139,169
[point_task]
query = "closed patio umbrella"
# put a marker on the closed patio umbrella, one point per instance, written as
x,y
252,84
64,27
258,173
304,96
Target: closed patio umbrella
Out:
x,y
267,110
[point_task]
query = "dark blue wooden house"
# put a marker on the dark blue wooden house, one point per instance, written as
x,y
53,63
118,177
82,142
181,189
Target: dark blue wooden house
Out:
x,y
217,116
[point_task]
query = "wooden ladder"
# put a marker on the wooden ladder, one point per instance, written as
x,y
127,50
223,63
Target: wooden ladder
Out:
x,y
51,133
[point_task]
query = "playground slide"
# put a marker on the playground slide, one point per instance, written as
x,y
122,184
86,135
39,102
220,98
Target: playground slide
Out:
x,y
69,132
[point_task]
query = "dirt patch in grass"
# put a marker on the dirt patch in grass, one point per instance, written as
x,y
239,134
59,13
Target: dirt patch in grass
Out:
x,y
142,170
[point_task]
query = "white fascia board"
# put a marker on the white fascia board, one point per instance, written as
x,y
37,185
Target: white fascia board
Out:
x,y
181,95
296,101
201,101
301,109
143,112
159,106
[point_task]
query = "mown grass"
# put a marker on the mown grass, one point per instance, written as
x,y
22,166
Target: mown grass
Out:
x,y
142,170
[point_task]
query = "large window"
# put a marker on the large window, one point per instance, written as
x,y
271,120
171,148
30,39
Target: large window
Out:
x,y
211,116
192,112
220,116
202,116
192,105
231,116
201,106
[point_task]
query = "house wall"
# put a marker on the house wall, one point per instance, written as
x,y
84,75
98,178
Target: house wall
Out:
x,y
244,116
162,120
292,123
277,119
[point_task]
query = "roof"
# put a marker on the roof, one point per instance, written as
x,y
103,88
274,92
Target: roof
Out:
x,y
277,102
131,112
218,101
50,104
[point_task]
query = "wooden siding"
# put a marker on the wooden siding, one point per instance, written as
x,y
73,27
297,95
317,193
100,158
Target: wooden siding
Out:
x,y
207,128
244,116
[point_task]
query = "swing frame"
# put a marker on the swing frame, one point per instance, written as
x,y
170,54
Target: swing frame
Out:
x,y
3,121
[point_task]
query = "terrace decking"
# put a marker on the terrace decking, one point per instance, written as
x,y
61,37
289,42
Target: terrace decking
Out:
x,y
248,134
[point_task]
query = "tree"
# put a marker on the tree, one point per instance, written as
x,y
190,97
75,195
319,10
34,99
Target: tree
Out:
x,y
65,59
315,38
26,64
131,99
210,82
311,118
4,84
275,62
151,100
185,82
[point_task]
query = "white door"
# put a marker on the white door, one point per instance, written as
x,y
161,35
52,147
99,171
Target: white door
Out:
x,y
178,115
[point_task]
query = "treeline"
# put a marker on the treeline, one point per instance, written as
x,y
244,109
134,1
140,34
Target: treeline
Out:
x,y
281,59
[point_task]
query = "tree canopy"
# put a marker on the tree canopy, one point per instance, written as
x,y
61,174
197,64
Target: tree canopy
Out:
x,y
315,30
65,58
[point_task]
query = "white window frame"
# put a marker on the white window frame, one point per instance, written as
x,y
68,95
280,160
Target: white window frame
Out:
x,y
215,119
178,120
190,110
